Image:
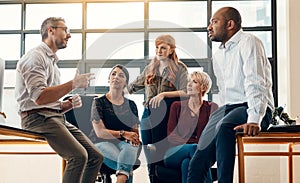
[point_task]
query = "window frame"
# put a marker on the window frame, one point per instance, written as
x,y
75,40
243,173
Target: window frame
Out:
x,y
206,62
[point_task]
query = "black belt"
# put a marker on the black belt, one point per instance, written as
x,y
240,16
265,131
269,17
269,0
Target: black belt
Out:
x,y
27,113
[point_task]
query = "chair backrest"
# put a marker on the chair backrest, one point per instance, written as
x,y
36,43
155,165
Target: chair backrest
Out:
x,y
80,117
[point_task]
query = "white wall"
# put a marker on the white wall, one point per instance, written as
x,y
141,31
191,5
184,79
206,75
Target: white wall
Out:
x,y
293,27
288,55
2,66
29,168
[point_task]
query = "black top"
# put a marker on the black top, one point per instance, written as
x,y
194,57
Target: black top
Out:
x,y
114,117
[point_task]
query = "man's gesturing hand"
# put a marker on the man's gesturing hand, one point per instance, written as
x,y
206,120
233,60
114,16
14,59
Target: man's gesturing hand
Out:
x,y
82,80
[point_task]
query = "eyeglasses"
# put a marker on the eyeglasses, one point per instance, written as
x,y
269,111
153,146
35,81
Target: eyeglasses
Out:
x,y
66,29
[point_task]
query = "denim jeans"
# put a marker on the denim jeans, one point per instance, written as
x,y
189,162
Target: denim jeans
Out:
x,y
120,157
179,157
152,133
217,143
83,158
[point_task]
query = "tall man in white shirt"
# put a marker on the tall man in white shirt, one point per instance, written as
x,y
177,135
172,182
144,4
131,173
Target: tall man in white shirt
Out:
x,y
38,91
245,88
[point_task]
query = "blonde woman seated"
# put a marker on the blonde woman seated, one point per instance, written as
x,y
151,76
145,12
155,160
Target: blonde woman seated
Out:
x,y
115,126
187,120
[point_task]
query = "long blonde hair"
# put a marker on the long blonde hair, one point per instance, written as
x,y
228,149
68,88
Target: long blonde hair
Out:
x,y
154,64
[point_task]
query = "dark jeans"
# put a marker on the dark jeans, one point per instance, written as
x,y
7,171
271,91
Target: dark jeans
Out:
x,y
179,157
83,158
217,143
150,135
154,131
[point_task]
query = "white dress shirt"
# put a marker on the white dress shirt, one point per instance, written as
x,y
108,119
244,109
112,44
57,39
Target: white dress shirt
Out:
x,y
36,70
244,74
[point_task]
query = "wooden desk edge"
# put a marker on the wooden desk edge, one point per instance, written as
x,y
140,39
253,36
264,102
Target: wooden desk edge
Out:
x,y
30,138
270,134
9,131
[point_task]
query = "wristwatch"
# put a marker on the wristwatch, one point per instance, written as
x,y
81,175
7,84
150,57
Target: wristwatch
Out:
x,y
122,133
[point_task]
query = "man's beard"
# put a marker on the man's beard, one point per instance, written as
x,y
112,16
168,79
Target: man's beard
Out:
x,y
60,45
221,37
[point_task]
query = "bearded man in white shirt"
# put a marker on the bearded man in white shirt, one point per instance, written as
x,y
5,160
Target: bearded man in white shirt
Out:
x,y
38,93
245,88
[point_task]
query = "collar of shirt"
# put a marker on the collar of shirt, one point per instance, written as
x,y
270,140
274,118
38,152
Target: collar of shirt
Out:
x,y
49,52
165,72
233,40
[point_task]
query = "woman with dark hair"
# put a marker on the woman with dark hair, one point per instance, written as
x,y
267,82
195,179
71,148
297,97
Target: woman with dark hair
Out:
x,y
115,126
164,81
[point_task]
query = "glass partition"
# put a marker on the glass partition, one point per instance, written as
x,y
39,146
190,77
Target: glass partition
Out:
x,y
254,13
112,15
10,46
179,13
37,13
10,17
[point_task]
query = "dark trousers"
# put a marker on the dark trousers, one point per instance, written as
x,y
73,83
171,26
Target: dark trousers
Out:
x,y
83,158
154,132
217,143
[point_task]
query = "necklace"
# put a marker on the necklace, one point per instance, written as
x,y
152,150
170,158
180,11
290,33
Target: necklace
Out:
x,y
194,108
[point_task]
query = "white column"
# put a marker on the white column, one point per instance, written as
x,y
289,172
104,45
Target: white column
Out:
x,y
2,67
288,56
294,54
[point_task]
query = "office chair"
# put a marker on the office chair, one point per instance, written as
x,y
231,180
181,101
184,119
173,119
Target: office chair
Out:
x,y
80,117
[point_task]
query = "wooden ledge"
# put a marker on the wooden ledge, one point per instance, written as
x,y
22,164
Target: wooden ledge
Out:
x,y
270,137
11,131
